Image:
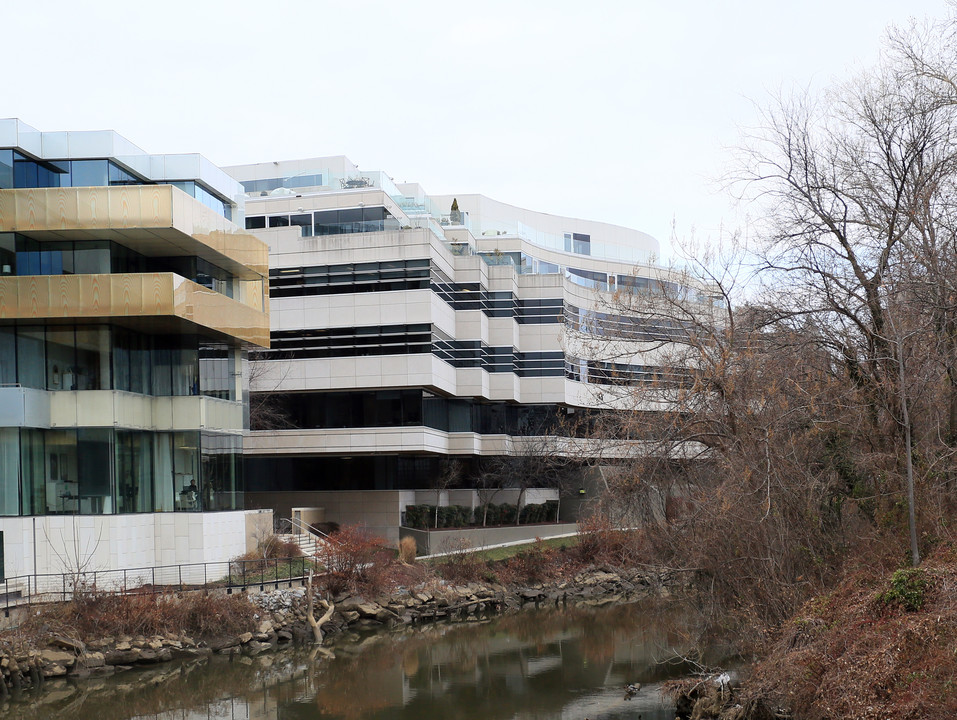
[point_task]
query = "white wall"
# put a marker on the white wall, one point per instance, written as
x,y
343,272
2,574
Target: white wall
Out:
x,y
65,543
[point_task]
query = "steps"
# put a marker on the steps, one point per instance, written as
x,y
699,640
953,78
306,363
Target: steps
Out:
x,y
311,545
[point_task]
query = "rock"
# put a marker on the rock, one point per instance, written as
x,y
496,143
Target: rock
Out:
x,y
91,660
350,603
265,627
254,647
51,657
350,616
66,643
53,670
121,657
123,645
369,610
149,656
245,637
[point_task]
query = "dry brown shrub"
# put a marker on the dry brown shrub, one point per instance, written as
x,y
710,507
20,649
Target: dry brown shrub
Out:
x,y
357,562
408,550
461,563
270,550
600,541
535,564
196,614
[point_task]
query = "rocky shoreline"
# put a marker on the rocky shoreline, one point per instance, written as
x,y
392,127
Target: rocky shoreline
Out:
x,y
282,622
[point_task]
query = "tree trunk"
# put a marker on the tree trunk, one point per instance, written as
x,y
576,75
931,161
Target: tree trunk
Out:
x,y
908,462
316,625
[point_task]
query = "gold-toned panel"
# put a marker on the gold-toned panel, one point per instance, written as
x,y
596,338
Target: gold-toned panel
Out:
x,y
155,220
125,295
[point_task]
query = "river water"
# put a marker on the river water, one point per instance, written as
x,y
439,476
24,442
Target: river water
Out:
x,y
534,665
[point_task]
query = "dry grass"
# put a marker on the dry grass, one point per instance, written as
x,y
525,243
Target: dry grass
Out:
x,y
195,614
858,652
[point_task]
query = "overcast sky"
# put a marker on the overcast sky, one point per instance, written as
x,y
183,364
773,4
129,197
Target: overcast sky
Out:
x,y
608,110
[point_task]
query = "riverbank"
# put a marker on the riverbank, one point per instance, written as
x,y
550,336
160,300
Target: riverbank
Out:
x,y
550,662
880,645
44,651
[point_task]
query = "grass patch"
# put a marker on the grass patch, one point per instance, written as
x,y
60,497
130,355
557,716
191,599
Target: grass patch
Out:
x,y
504,553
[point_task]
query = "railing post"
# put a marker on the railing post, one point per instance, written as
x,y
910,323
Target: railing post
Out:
x,y
205,581
180,568
125,588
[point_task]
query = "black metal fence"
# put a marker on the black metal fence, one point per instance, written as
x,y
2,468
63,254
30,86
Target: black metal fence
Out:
x,y
232,575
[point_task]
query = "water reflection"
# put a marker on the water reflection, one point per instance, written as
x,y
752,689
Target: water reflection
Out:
x,y
537,665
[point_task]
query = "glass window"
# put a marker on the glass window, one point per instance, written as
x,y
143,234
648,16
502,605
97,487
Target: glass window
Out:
x,y
8,355
9,471
91,257
162,370
60,471
279,221
222,484
186,480
185,370
94,470
31,357
93,358
214,373
256,223
304,222
134,486
24,173
33,491
8,254
90,173
6,170
163,500
119,176
61,366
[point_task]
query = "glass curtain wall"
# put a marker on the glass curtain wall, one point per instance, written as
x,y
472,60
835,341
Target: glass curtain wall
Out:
x,y
8,356
100,357
9,471
222,472
95,471
134,476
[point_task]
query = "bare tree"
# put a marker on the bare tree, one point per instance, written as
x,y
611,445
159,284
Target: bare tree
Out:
x,y
267,407
859,193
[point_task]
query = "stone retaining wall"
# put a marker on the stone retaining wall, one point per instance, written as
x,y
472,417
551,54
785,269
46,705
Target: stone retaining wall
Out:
x,y
282,620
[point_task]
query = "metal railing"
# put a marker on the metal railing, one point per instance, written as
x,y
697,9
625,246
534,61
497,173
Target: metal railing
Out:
x,y
230,575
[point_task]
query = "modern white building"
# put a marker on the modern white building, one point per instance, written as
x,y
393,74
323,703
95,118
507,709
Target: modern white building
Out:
x,y
130,293
407,329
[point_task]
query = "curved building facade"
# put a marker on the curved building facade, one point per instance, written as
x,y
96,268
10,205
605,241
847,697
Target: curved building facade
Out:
x,y
409,329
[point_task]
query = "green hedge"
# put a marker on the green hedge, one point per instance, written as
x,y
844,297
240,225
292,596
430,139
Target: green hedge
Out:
x,y
422,517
